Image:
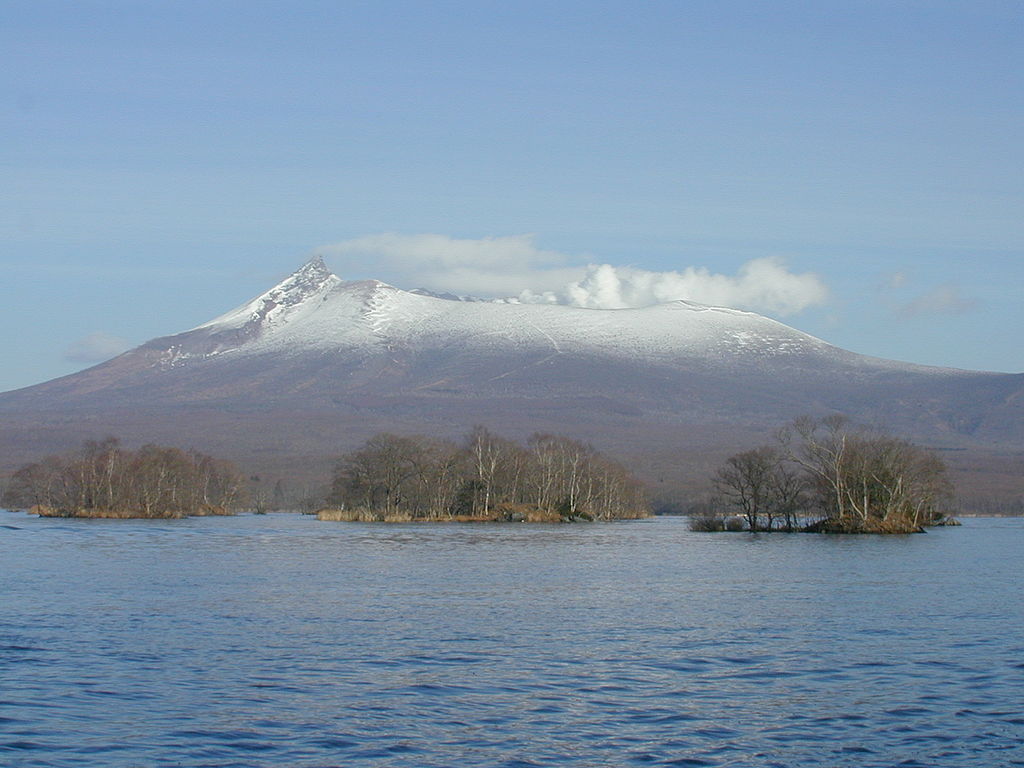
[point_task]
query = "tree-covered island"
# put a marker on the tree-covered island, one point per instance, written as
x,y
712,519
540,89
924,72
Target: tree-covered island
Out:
x,y
103,479
828,476
820,475
485,478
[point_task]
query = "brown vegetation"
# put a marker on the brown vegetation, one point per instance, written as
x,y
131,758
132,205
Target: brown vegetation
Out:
x,y
830,477
502,513
486,478
105,480
120,514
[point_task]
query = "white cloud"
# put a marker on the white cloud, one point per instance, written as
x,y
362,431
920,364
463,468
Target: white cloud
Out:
x,y
941,300
490,266
514,266
764,285
95,348
894,280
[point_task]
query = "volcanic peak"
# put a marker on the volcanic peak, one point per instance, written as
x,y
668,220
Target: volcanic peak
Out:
x,y
314,310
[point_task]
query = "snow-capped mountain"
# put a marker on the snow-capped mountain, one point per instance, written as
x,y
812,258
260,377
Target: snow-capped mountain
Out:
x,y
313,311
318,363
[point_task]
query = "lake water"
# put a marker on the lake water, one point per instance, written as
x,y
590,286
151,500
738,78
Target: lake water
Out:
x,y
282,641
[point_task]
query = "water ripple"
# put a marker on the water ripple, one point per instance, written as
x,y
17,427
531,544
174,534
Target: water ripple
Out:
x,y
280,641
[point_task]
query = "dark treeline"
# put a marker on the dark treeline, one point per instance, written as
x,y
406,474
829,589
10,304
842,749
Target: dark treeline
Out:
x,y
485,476
828,475
103,479
994,507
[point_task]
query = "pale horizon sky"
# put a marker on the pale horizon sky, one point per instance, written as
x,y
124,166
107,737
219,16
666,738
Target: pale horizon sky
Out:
x,y
164,162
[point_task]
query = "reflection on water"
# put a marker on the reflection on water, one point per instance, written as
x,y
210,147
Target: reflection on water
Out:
x,y
281,641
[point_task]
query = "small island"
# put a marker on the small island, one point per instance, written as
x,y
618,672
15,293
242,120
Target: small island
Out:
x,y
105,480
829,476
819,476
486,478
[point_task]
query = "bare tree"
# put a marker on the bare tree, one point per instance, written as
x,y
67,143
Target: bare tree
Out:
x,y
865,479
787,495
819,447
104,478
747,483
381,475
854,478
496,466
420,477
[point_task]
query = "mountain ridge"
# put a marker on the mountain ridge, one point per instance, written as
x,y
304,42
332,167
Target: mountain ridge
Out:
x,y
312,291
317,363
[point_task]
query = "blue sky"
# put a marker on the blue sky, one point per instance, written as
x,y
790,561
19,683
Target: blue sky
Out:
x,y
164,162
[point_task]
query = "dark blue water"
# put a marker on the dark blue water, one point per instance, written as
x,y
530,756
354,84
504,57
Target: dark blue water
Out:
x,y
283,641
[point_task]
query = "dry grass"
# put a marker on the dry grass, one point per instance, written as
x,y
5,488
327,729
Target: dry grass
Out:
x,y
361,515
857,525
211,510
124,514
503,513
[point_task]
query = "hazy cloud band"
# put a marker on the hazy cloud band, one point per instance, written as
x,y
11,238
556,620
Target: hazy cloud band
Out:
x,y
95,348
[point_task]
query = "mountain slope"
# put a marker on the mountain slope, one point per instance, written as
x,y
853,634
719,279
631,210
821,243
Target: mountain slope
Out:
x,y
317,364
